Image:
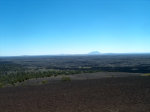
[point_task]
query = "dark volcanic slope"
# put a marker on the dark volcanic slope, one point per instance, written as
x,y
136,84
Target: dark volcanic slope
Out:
x,y
130,94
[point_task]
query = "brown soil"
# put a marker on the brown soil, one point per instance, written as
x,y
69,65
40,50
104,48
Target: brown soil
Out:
x,y
82,76
126,94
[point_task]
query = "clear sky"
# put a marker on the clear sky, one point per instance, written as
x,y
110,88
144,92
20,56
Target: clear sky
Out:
x,y
41,27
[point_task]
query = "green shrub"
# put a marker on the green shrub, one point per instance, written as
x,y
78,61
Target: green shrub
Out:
x,y
1,85
66,78
146,74
55,75
44,81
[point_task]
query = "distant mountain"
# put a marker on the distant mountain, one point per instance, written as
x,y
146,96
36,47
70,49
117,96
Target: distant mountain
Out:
x,y
94,53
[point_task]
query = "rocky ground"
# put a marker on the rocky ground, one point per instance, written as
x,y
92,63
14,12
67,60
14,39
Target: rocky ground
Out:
x,y
113,94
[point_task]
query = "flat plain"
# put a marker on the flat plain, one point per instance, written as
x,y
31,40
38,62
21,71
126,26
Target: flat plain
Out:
x,y
96,84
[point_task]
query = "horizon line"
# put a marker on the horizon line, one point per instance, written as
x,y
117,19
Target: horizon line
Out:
x,y
73,54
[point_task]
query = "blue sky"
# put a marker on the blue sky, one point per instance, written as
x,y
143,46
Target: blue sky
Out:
x,y
41,27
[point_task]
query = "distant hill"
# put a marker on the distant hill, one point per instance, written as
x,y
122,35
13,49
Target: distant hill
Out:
x,y
94,53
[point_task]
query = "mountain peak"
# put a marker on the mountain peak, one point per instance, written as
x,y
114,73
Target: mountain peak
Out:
x,y
94,53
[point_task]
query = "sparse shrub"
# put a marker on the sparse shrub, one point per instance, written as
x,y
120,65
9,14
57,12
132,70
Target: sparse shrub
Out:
x,y
1,85
147,74
44,81
66,78
22,84
55,75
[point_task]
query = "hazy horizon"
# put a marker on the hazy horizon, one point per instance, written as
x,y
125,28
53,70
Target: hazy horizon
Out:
x,y
43,27
71,54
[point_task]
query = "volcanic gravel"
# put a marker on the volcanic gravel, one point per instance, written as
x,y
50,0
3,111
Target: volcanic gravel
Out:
x,y
124,94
